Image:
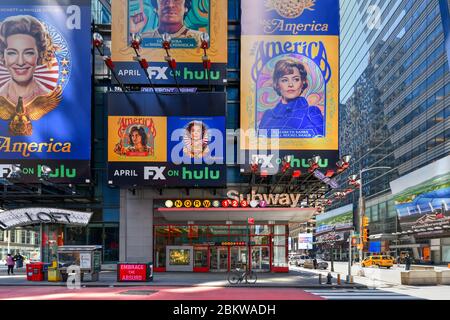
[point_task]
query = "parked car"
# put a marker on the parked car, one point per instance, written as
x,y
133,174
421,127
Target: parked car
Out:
x,y
321,264
379,261
300,261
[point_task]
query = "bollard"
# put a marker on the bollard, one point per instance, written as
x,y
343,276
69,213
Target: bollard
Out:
x,y
339,279
329,277
320,278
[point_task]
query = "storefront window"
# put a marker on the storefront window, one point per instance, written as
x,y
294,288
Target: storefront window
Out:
x,y
279,256
239,230
260,240
280,229
160,256
201,257
75,236
260,258
279,240
446,254
260,229
214,230
162,231
392,212
111,251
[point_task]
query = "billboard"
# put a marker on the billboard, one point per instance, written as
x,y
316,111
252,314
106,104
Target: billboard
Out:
x,y
337,219
290,78
184,21
422,199
305,241
174,140
45,89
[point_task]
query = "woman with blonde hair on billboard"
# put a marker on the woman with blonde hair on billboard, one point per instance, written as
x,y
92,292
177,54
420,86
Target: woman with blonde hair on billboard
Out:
x,y
293,111
24,45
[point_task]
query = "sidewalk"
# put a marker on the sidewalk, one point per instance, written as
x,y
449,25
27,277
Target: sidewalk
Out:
x,y
370,277
293,279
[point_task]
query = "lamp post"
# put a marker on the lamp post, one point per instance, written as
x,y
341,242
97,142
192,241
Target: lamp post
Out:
x,y
361,211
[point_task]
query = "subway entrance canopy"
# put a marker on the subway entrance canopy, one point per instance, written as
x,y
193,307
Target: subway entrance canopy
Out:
x,y
236,214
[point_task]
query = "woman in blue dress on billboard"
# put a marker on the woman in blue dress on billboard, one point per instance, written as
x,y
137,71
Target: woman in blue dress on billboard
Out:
x,y
293,111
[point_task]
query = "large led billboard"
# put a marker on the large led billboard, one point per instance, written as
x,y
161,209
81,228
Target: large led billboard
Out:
x,y
45,89
174,140
422,199
290,77
184,21
337,219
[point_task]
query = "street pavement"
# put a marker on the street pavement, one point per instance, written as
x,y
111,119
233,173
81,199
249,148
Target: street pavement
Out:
x,y
298,284
361,294
154,293
293,279
385,281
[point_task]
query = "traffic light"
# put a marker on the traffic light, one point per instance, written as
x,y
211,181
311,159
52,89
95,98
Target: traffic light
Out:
x,y
365,221
366,235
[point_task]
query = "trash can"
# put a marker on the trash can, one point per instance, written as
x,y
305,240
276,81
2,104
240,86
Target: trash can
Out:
x,y
53,275
29,268
35,271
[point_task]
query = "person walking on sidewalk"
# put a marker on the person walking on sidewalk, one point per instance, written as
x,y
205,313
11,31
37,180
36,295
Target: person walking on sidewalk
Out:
x,y
407,262
18,258
10,263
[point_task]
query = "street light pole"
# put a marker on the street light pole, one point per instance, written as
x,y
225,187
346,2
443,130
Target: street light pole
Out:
x,y
361,211
349,277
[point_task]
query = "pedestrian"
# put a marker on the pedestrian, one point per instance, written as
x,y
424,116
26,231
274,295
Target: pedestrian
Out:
x,y
407,262
10,264
18,258
315,263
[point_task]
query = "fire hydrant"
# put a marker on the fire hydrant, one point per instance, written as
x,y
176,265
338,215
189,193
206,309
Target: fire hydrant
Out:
x,y
329,277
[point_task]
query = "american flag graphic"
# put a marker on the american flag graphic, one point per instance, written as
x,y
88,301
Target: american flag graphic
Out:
x,y
45,77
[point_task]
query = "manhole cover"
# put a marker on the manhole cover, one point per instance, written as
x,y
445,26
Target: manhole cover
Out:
x,y
139,292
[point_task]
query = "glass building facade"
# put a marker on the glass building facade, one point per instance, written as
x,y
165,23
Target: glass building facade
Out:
x,y
394,99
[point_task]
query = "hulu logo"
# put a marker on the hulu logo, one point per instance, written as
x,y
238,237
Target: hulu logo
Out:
x,y
200,174
60,172
303,163
200,75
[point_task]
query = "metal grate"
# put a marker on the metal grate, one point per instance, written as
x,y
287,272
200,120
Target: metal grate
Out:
x,y
139,292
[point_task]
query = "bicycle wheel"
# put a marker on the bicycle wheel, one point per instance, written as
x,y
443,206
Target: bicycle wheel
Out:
x,y
251,277
233,277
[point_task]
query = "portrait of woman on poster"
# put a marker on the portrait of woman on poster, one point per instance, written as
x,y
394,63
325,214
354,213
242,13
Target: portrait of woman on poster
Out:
x,y
292,111
24,45
137,139
196,140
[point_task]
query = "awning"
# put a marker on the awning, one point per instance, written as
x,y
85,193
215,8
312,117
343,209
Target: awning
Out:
x,y
31,216
236,214
412,245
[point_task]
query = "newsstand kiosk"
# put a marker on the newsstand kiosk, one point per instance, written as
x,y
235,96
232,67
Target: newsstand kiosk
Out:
x,y
87,258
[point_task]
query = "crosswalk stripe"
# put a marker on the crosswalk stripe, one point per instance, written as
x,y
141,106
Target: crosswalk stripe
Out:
x,y
360,295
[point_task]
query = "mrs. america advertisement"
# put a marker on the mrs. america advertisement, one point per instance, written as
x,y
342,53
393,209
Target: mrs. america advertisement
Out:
x,y
290,74
45,87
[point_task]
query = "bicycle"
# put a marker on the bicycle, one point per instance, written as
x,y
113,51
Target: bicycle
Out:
x,y
237,276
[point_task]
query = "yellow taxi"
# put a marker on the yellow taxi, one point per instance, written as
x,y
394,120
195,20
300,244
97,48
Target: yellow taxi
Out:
x,y
380,261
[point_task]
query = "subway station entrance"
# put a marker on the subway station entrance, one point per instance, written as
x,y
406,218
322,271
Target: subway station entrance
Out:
x,y
220,240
